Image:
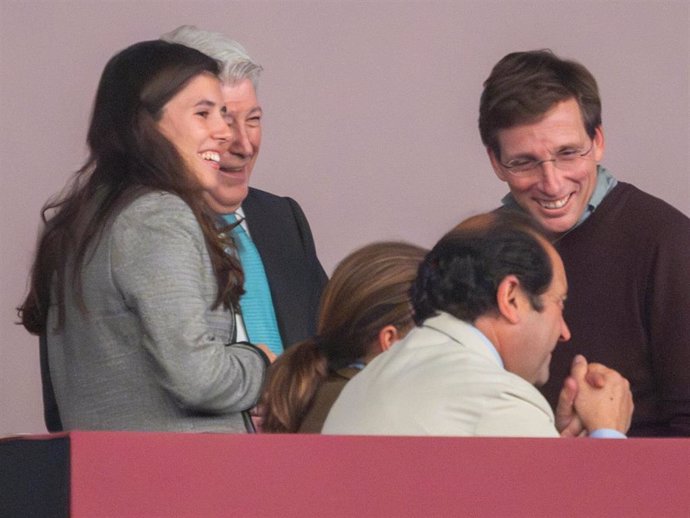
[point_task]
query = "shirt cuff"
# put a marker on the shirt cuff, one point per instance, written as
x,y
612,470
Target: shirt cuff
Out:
x,y
607,433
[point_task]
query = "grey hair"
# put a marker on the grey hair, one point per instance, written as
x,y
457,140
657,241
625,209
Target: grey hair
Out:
x,y
235,63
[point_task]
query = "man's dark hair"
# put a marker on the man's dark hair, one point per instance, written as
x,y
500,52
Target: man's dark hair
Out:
x,y
523,86
461,274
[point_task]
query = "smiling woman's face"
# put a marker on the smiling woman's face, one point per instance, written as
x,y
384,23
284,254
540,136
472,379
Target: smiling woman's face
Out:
x,y
194,122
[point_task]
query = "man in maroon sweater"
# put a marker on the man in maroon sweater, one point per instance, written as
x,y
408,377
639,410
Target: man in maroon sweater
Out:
x,y
626,253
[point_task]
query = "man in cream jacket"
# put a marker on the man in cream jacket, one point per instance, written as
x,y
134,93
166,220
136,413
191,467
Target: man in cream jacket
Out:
x,y
489,302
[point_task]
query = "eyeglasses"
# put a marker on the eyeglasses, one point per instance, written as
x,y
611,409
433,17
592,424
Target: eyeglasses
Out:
x,y
565,160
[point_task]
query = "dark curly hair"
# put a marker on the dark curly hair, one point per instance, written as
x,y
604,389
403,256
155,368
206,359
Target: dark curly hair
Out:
x,y
461,274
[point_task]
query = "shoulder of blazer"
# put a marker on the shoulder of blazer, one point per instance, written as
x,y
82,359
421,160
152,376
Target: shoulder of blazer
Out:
x,y
264,208
257,196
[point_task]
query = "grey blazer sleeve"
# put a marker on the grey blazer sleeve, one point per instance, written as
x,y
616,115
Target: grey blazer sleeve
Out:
x,y
160,265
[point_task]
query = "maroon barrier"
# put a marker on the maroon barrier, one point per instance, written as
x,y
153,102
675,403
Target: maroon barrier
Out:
x,y
115,474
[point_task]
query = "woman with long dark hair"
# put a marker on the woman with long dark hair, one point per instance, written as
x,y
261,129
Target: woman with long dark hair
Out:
x,y
365,308
134,286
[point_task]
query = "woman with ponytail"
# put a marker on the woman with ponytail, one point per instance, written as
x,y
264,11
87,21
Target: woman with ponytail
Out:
x,y
365,308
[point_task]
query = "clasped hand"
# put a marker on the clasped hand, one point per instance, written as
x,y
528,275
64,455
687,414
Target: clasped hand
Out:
x,y
593,397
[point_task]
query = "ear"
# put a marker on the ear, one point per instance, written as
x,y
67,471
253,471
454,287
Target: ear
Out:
x,y
510,298
387,337
496,164
599,143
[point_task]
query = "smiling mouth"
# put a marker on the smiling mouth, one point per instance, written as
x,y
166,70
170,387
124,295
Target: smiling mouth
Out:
x,y
554,204
211,156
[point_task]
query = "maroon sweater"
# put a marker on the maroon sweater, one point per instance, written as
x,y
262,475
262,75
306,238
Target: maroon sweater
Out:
x,y
628,307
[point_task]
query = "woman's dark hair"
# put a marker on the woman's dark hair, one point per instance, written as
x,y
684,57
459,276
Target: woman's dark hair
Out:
x,y
128,156
368,291
461,274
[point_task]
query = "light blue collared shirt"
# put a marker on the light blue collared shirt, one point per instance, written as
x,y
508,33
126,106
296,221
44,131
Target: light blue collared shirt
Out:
x,y
489,345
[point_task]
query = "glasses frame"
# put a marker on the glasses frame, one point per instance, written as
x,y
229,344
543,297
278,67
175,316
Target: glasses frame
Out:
x,y
533,165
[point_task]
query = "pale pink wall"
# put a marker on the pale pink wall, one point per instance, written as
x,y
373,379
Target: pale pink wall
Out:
x,y
371,112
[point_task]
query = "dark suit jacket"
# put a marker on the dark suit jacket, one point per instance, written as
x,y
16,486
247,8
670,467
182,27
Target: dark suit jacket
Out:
x,y
282,235
296,278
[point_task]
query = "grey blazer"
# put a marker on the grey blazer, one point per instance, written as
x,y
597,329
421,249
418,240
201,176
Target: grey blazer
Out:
x,y
149,353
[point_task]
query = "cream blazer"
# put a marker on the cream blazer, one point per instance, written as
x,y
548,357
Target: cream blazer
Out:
x,y
442,379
